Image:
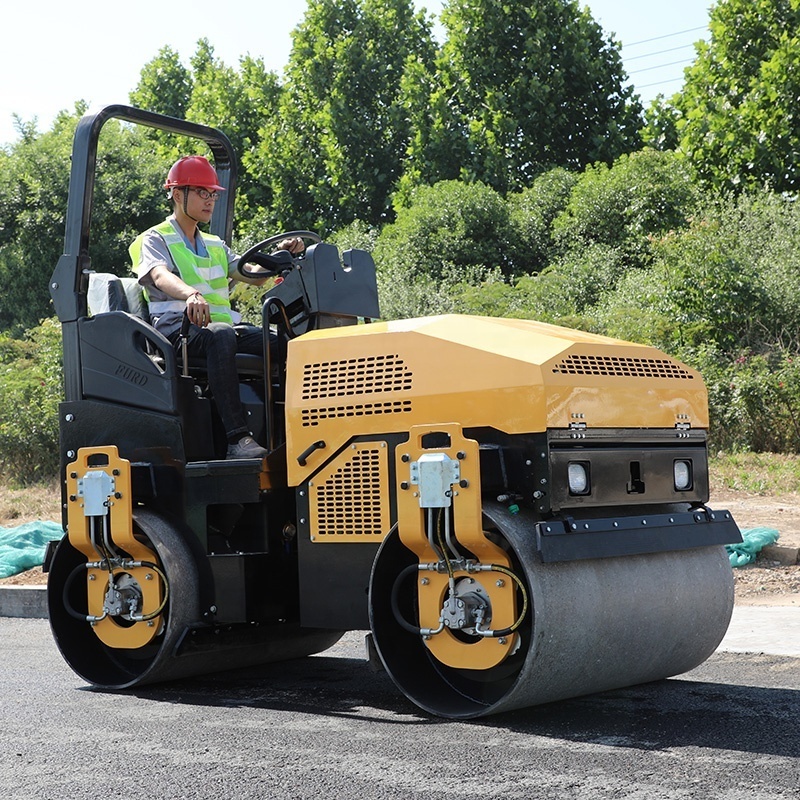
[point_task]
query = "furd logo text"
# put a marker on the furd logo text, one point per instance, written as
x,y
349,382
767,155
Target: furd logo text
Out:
x,y
131,375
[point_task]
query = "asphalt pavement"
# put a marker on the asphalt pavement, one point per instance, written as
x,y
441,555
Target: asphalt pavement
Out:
x,y
328,728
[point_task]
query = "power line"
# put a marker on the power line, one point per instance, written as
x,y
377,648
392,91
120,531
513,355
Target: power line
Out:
x,y
665,36
657,83
659,66
685,61
659,52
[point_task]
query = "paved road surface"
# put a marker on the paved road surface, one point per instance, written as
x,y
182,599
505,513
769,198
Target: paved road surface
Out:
x,y
327,727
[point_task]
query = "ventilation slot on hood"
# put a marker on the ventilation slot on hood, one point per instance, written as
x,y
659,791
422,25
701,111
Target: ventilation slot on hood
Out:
x,y
621,367
356,376
312,416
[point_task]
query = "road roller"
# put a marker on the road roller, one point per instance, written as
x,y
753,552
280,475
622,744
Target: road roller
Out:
x,y
513,512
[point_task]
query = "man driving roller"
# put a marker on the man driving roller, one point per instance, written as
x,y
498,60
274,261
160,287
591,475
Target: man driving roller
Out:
x,y
184,270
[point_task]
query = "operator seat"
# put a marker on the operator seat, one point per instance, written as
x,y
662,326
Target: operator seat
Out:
x,y
108,292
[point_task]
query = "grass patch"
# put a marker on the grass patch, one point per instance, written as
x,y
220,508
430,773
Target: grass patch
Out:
x,y
755,473
40,501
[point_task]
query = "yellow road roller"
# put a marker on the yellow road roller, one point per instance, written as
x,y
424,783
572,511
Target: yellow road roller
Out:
x,y
515,512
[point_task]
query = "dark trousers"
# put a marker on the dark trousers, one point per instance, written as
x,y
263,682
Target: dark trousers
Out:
x,y
218,344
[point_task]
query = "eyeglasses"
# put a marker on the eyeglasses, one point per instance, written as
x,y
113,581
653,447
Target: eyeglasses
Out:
x,y
204,193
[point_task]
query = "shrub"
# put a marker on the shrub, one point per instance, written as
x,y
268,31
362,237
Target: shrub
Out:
x,y
30,391
452,233
754,399
642,194
532,212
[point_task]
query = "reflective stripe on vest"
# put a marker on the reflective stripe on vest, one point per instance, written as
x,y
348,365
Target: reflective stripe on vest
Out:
x,y
207,275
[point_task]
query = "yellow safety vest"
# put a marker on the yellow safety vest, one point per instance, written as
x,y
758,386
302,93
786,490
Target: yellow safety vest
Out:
x,y
207,275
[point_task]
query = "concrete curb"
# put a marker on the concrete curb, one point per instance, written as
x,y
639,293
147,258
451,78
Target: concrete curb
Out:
x,y
772,630
23,601
785,556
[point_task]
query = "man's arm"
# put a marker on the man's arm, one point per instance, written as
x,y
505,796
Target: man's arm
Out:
x,y
168,282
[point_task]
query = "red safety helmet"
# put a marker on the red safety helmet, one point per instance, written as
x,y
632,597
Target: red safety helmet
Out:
x,y
193,171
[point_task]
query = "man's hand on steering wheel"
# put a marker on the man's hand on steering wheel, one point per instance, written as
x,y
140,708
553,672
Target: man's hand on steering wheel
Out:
x,y
291,243
295,245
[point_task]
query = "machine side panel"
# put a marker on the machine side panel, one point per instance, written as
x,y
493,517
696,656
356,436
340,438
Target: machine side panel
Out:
x,y
479,373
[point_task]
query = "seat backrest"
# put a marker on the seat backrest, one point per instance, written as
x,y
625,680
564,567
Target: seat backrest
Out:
x,y
108,292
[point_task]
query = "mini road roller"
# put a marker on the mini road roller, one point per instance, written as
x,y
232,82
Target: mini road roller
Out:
x,y
515,512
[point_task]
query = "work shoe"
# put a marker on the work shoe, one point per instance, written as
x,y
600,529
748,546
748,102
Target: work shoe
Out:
x,y
246,447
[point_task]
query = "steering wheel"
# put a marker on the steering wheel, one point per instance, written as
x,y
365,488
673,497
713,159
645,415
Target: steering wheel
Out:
x,y
272,263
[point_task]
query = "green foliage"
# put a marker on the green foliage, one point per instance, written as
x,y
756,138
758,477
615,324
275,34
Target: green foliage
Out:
x,y
451,233
357,235
701,289
334,151
34,176
30,390
165,85
33,201
660,130
239,103
518,88
641,195
730,279
565,293
740,122
532,213
754,399
127,196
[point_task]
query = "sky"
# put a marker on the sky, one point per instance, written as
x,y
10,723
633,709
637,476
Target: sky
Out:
x,y
57,53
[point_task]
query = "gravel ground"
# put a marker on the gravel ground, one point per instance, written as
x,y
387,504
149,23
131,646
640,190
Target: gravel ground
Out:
x,y
766,582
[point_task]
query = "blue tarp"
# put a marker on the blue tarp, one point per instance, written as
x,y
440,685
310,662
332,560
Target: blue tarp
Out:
x,y
23,547
747,551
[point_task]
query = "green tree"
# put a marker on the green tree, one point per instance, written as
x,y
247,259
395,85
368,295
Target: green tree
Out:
x,y
451,233
34,179
740,121
660,130
34,175
334,151
165,85
519,88
641,195
30,390
239,103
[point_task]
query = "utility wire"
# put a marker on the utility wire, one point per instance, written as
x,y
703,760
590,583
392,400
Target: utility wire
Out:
x,y
659,52
657,83
659,66
685,61
665,36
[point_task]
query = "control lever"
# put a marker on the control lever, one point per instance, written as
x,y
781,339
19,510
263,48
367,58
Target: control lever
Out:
x,y
185,343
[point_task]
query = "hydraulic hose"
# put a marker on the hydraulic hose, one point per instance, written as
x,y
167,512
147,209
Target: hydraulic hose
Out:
x,y
401,621
511,628
65,594
85,618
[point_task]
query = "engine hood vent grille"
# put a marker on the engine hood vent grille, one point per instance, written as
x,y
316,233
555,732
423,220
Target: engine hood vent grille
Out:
x,y
356,376
621,367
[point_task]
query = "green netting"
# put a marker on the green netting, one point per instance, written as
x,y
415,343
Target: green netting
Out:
x,y
755,539
23,547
